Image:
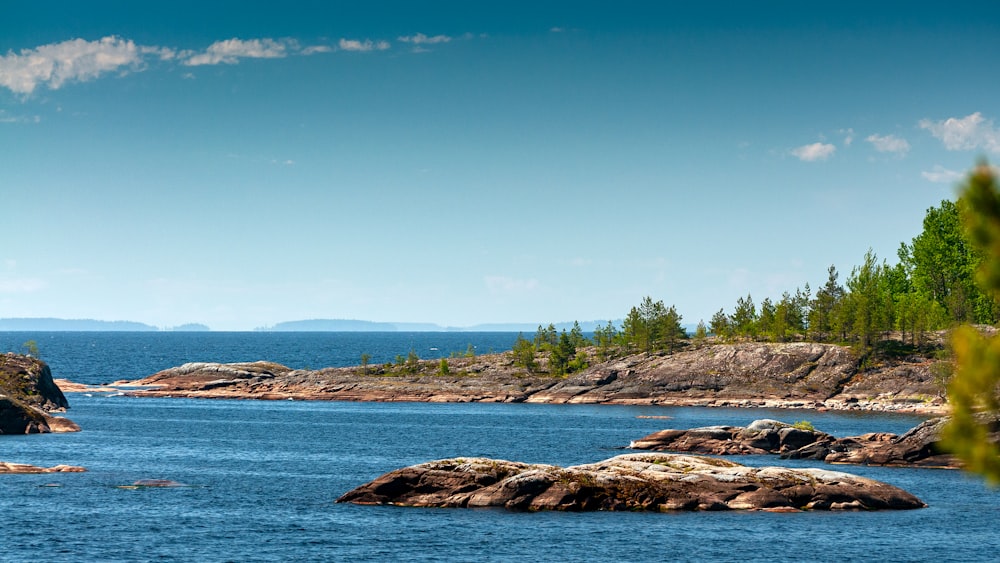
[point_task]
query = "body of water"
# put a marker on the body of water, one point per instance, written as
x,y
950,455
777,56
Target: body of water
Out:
x,y
263,477
102,357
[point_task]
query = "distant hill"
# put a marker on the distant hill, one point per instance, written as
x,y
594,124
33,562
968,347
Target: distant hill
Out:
x,y
191,327
330,325
90,325
350,325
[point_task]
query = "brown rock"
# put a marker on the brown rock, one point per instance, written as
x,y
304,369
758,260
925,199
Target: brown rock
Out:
x,y
650,482
6,467
759,437
27,396
919,446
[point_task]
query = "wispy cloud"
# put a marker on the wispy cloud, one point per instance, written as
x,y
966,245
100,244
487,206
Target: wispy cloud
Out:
x,y
889,143
421,39
21,285
232,50
56,64
941,175
848,136
362,46
814,152
313,49
8,118
966,133
508,285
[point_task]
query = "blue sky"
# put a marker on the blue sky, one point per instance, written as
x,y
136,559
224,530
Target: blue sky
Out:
x,y
240,165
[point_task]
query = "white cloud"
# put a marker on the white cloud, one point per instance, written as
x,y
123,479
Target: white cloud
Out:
x,y
312,50
967,133
421,39
165,53
56,64
941,175
362,46
814,152
231,51
504,284
557,29
848,136
889,143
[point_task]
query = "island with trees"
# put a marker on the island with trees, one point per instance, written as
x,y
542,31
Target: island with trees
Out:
x,y
879,340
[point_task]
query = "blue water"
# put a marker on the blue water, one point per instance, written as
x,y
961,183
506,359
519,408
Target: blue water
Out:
x,y
101,357
264,475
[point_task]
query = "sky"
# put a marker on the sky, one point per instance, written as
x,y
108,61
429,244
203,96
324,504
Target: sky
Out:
x,y
240,164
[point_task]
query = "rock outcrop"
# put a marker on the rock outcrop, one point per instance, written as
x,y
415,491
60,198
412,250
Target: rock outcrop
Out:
x,y
6,467
759,437
920,446
632,482
791,375
27,397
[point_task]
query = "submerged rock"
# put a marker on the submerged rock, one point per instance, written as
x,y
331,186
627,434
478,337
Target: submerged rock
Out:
x,y
153,483
646,482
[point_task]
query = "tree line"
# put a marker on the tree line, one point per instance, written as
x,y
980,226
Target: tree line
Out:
x,y
931,287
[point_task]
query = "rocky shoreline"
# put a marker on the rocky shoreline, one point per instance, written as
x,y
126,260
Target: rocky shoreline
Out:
x,y
751,375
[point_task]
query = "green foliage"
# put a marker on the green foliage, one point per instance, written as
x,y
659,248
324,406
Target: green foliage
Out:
x,y
744,319
524,354
941,262
578,363
822,309
652,326
869,301
576,336
30,348
561,354
546,337
443,368
470,351
720,325
604,339
365,358
804,425
700,332
412,359
972,391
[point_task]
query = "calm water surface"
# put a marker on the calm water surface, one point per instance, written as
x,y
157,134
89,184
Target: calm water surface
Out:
x,y
263,478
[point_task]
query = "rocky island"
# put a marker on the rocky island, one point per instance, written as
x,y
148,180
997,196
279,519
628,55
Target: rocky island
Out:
x,y
29,396
918,447
783,375
631,482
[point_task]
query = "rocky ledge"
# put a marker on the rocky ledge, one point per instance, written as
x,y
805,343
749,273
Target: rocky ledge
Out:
x,y
28,396
632,482
789,375
6,468
920,446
